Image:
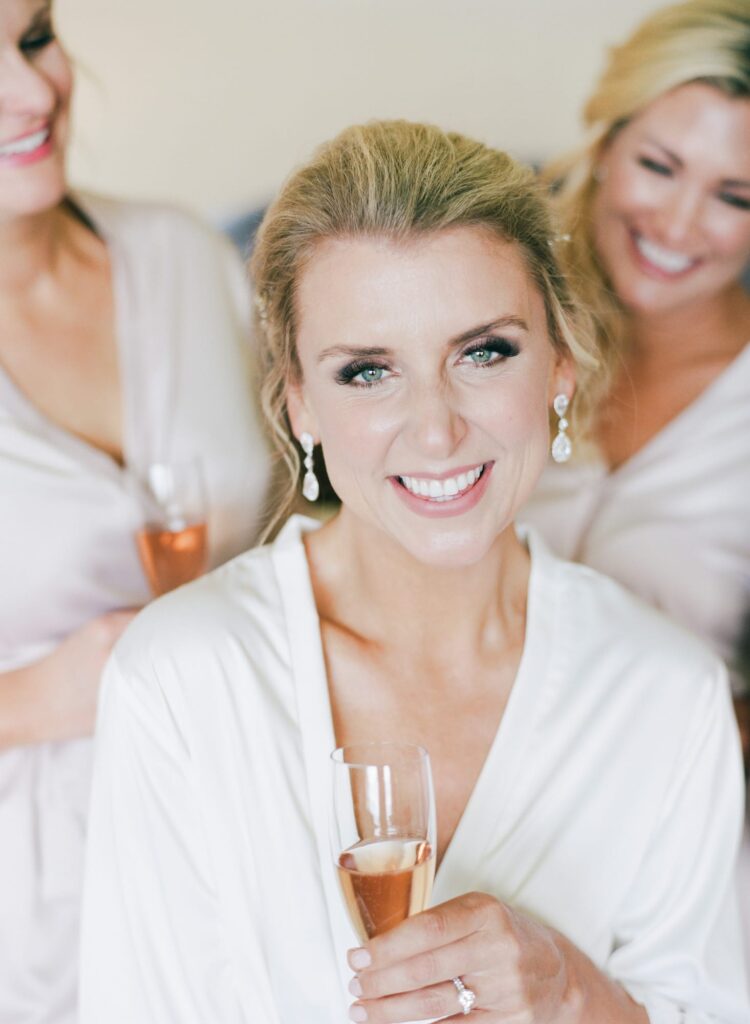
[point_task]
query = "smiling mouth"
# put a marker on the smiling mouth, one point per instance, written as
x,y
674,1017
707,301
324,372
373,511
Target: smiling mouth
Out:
x,y
29,143
447,488
665,260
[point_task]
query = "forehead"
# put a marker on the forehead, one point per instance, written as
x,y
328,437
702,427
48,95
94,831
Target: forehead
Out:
x,y
698,121
384,289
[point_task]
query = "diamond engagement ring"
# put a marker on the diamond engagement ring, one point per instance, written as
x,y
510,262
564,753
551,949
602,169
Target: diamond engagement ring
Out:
x,y
466,997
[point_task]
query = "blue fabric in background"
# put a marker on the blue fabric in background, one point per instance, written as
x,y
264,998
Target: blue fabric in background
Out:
x,y
242,230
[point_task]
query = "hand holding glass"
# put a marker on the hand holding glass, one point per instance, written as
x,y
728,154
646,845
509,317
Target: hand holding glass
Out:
x,y
172,544
383,833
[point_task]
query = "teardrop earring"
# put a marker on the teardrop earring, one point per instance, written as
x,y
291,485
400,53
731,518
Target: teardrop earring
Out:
x,y
310,485
562,447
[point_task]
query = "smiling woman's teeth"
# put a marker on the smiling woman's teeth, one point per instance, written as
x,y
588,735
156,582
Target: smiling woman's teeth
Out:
x,y
26,145
442,490
665,259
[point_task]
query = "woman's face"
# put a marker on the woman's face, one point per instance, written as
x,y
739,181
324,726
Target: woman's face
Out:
x,y
428,375
672,211
35,90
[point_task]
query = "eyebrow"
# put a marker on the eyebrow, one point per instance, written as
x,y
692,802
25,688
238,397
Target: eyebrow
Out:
x,y
41,14
726,182
371,351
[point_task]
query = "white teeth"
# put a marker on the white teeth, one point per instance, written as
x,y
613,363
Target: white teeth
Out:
x,y
442,490
666,260
26,145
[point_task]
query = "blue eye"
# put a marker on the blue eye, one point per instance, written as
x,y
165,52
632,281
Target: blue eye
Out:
x,y
491,352
371,375
361,374
481,356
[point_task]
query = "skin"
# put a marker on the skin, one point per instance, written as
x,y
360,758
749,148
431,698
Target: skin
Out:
x,y
678,175
388,579
57,341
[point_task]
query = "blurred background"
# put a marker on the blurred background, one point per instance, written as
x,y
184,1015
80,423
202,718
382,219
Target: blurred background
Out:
x,y
210,103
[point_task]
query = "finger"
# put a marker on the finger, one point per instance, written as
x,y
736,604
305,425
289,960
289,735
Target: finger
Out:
x,y
468,955
446,923
436,1001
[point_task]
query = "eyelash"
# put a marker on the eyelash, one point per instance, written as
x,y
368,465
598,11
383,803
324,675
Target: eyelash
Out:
x,y
504,348
655,167
738,202
35,43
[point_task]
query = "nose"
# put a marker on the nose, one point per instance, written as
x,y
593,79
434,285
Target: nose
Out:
x,y
24,89
679,216
436,424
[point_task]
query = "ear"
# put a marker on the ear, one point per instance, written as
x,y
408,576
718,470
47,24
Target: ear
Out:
x,y
562,379
300,416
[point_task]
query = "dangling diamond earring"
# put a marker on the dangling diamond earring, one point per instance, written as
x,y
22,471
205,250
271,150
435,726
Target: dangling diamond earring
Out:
x,y
310,485
562,448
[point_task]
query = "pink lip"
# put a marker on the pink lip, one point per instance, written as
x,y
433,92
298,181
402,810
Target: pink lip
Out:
x,y
23,159
650,269
432,509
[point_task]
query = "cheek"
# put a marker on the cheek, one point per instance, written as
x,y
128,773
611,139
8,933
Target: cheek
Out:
x,y
356,433
626,192
516,415
59,72
732,239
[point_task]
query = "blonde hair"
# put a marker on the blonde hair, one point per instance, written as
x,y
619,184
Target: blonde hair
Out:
x,y
399,180
695,41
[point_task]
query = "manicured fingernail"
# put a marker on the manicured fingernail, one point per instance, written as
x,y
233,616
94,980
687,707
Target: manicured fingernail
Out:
x,y
359,959
358,1013
355,988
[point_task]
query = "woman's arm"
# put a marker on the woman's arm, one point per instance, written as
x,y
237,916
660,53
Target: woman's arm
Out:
x,y
55,698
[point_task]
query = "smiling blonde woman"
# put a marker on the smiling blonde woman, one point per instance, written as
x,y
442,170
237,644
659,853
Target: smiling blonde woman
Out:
x,y
417,334
657,207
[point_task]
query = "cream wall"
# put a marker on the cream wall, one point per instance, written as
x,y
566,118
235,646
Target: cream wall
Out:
x,y
211,102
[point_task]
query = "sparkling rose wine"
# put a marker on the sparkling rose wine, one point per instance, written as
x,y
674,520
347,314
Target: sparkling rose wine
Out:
x,y
172,557
385,881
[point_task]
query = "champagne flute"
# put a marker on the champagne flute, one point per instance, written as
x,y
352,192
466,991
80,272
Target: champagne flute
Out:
x,y
172,544
383,833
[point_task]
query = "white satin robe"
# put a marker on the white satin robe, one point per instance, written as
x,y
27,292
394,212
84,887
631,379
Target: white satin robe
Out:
x,y
609,805
68,517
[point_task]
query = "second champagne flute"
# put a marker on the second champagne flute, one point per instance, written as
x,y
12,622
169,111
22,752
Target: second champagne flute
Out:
x,y
173,544
383,833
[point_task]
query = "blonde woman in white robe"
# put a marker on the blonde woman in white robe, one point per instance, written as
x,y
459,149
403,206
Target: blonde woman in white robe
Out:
x,y
657,210
417,334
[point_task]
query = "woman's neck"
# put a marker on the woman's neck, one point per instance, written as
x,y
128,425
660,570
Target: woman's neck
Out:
x,y
30,251
369,585
716,330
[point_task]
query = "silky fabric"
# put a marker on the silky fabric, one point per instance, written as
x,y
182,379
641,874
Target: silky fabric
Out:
x,y
609,804
672,523
68,518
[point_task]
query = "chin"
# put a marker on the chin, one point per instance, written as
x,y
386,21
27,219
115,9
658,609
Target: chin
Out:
x,y
34,198
454,549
